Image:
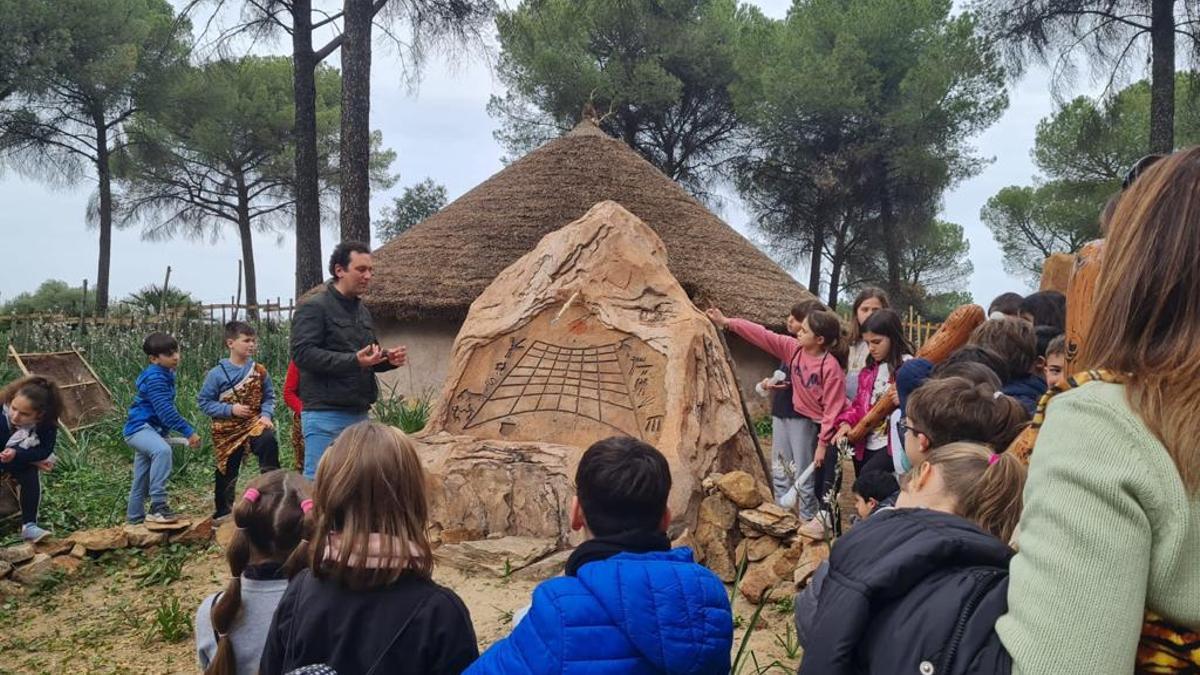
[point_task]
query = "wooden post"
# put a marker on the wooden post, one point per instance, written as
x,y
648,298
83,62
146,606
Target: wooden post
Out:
x,y
83,306
238,298
162,301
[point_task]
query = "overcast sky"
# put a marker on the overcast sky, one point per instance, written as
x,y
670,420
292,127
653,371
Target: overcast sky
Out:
x,y
442,131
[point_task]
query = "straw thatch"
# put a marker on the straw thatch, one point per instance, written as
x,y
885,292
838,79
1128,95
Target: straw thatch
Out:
x,y
439,266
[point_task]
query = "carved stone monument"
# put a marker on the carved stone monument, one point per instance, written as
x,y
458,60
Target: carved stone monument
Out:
x,y
587,336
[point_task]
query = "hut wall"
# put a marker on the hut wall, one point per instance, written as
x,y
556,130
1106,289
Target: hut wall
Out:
x,y
430,343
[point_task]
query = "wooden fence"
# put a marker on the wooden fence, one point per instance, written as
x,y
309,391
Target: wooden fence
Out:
x,y
125,316
917,329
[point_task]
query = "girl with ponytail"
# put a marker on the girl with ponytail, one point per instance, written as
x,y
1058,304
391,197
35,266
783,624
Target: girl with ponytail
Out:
x,y
268,547
918,588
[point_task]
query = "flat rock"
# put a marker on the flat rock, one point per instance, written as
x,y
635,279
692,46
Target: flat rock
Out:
x,y
759,578
17,554
550,566
713,549
199,532
457,535
755,550
500,557
6,569
141,536
741,489
101,540
53,547
35,570
78,551
767,523
814,554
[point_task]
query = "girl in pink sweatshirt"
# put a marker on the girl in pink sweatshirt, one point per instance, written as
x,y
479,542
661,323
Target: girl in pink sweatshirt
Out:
x,y
818,386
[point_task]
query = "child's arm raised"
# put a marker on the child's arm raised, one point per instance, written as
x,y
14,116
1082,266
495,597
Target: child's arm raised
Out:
x,y
782,347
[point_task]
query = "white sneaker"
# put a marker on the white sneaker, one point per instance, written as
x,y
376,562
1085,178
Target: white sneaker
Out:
x,y
31,533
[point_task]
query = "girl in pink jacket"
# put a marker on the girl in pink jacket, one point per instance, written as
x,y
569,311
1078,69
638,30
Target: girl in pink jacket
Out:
x,y
818,378
887,349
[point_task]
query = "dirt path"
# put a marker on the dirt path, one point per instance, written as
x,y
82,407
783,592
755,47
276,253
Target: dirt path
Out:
x,y
104,622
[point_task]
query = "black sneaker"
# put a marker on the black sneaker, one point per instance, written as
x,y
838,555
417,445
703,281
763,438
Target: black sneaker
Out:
x,y
219,518
161,513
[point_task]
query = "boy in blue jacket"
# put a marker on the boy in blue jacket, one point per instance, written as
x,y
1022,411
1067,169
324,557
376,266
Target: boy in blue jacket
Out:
x,y
151,416
238,396
627,603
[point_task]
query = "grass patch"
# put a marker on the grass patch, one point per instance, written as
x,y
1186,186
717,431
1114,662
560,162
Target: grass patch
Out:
x,y
171,622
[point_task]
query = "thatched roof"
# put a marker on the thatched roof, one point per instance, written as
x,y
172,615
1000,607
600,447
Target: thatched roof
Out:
x,y
439,266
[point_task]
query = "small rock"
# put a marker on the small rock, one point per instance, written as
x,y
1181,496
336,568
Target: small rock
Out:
x,y
9,589
17,554
53,547
762,547
69,565
101,540
6,569
141,537
758,579
458,535
718,511
786,563
551,565
773,509
35,570
740,488
709,484
225,533
199,532
780,527
78,551
713,549
812,557
500,557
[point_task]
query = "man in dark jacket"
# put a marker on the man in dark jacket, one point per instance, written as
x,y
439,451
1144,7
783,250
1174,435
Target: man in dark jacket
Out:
x,y
335,350
911,591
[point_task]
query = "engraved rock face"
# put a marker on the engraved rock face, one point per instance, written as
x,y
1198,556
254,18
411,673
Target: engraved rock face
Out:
x,y
585,337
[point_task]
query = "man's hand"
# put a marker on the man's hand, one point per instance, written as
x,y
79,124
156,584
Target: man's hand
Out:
x,y
717,317
8,455
266,422
194,441
370,356
397,356
242,411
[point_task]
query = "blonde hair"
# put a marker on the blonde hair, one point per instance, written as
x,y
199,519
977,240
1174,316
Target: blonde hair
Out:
x,y
370,482
986,491
1147,309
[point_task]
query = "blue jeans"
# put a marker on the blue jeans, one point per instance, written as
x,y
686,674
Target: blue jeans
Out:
x,y
320,428
152,461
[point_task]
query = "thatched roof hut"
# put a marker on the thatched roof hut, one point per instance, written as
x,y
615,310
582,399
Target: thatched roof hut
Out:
x,y
428,276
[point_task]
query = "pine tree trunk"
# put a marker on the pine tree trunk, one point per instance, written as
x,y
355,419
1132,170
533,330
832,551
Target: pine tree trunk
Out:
x,y
1162,76
104,176
891,242
356,122
245,233
839,261
814,263
308,197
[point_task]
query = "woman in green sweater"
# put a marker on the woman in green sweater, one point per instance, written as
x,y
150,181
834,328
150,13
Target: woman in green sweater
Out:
x,y
1111,528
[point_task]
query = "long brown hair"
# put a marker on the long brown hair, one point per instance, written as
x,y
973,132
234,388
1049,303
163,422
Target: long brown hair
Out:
x,y
271,525
370,482
855,333
828,326
986,487
43,393
954,409
1147,313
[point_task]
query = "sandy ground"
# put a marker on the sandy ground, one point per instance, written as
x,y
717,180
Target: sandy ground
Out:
x,y
101,621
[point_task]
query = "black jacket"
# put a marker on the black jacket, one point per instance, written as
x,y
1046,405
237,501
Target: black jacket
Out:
x,y
327,331
413,626
47,437
911,591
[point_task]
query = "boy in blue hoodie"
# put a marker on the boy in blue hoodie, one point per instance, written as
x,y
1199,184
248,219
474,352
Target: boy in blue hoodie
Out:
x,y
627,603
151,416
238,396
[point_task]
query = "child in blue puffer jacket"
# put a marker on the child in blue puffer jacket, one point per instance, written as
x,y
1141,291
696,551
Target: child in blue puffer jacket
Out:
x,y
628,603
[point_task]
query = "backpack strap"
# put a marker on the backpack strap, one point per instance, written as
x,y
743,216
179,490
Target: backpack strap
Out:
x,y
400,631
